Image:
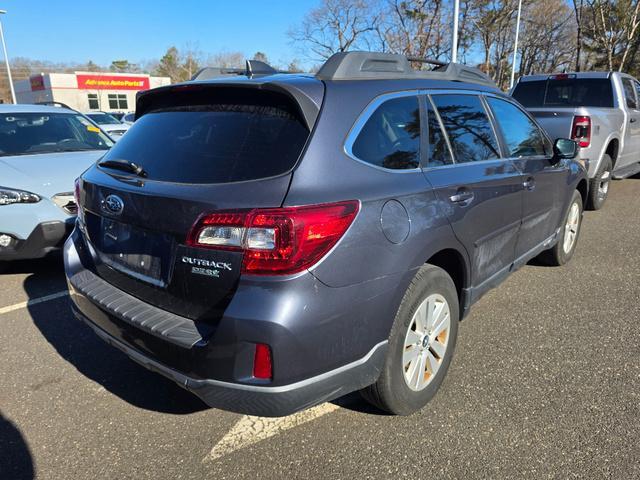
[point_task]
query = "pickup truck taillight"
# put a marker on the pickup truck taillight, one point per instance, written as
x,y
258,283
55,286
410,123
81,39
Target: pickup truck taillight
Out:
x,y
581,130
276,241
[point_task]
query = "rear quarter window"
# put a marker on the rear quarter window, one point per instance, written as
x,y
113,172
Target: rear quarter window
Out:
x,y
215,143
390,138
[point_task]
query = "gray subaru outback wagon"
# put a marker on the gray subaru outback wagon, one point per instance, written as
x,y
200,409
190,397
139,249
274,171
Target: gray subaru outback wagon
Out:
x,y
272,241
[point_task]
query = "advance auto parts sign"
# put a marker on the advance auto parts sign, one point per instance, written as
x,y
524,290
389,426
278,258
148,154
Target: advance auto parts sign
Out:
x,y
111,82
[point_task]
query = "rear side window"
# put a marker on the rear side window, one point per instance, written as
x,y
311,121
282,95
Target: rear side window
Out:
x,y
214,143
566,92
629,93
467,125
391,136
522,136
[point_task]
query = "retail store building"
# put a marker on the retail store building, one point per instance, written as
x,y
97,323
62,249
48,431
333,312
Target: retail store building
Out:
x,y
85,91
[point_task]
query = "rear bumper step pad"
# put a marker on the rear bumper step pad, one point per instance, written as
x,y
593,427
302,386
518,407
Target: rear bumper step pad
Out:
x,y
166,325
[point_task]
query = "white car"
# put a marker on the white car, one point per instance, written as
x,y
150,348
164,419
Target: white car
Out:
x,y
110,124
43,149
129,118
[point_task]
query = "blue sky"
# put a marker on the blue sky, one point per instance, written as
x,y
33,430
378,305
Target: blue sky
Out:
x,y
135,30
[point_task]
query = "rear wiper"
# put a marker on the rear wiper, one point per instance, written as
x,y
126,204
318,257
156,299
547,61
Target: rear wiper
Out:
x,y
125,165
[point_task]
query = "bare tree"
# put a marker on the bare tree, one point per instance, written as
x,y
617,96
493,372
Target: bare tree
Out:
x,y
412,27
337,26
226,59
612,31
547,37
577,8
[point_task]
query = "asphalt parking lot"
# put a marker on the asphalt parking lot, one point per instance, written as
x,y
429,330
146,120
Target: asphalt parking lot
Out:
x,y
545,383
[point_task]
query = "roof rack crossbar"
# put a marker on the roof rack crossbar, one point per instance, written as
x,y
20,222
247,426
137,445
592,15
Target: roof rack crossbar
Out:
x,y
392,66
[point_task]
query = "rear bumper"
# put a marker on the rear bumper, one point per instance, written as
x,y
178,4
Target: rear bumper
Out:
x,y
318,355
261,400
45,238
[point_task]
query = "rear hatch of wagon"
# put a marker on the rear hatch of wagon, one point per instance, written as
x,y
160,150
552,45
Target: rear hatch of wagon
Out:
x,y
194,150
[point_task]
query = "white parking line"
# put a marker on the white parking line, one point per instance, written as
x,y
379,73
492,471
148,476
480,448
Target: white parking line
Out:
x,y
249,430
34,301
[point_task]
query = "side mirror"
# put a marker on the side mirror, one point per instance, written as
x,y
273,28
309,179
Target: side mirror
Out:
x,y
565,149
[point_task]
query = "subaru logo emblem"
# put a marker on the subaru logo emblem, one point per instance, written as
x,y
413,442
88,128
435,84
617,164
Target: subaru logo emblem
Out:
x,y
113,204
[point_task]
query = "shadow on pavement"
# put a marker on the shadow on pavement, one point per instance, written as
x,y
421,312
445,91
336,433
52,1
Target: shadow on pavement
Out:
x,y
16,462
354,402
79,345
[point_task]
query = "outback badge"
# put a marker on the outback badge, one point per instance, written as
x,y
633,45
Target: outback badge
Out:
x,y
209,268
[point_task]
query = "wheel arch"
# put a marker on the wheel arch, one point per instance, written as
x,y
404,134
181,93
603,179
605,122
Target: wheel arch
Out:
x,y
454,263
583,188
613,148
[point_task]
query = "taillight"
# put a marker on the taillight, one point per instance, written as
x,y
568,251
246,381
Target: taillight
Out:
x,y
581,130
276,241
262,367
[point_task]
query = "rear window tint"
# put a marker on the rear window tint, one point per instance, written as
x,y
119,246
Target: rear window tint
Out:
x,y
216,143
468,127
391,136
576,92
530,94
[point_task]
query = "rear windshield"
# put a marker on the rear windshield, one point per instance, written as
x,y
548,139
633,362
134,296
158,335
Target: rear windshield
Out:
x,y
215,143
35,133
571,92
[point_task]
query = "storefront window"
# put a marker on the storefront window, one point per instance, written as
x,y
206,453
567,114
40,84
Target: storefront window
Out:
x,y
93,101
118,101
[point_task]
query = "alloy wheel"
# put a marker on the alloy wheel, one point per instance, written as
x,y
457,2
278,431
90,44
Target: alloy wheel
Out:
x,y
571,228
426,342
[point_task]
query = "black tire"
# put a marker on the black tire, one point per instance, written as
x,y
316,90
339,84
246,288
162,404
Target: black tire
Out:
x,y
557,256
599,184
3,266
391,392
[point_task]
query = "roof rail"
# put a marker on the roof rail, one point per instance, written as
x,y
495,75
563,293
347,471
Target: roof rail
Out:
x,y
378,66
251,69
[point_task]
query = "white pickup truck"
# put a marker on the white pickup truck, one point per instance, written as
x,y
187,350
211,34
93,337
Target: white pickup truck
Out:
x,y
599,110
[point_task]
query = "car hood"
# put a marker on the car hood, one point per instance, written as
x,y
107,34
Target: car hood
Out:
x,y
48,173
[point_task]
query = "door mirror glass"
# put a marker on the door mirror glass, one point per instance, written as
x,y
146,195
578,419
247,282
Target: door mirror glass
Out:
x,y
565,149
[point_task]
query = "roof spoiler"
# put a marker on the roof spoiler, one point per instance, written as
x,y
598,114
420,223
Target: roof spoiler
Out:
x,y
379,66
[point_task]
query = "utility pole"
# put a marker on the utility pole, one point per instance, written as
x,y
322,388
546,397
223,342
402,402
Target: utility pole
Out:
x,y
6,59
515,46
454,36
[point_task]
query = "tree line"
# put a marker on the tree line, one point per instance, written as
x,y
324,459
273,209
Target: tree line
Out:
x,y
555,36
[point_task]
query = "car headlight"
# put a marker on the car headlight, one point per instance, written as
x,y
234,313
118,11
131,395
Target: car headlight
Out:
x,y
9,196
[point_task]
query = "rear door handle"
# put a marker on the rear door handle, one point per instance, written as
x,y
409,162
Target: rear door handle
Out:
x,y
462,196
632,120
529,184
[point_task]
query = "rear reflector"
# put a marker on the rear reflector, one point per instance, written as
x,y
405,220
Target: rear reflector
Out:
x,y
262,367
276,241
581,130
